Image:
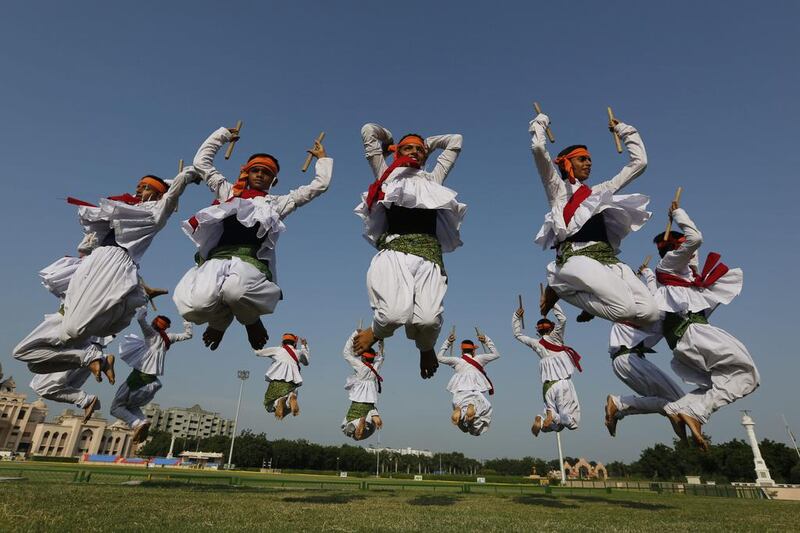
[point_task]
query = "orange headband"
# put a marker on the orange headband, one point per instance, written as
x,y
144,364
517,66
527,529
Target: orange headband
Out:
x,y
565,163
411,139
154,183
241,182
160,323
289,337
467,346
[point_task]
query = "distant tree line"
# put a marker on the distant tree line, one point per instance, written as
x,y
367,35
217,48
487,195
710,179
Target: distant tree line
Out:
x,y
727,462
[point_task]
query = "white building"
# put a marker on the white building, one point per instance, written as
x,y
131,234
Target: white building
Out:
x,y
193,422
401,451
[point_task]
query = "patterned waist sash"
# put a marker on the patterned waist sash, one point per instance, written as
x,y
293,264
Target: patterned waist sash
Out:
x,y
420,244
247,253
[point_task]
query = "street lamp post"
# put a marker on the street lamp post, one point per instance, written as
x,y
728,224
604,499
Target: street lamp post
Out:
x,y
242,375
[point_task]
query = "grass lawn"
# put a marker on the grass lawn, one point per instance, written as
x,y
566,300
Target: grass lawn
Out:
x,y
174,506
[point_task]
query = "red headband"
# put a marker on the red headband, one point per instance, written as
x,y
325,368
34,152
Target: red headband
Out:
x,y
565,163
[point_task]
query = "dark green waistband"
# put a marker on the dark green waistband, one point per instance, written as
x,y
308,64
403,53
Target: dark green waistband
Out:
x,y
138,379
640,349
546,387
422,245
675,326
602,252
248,254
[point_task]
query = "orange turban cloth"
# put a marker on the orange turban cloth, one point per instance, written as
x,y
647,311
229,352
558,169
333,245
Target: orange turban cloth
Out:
x,y
564,162
154,183
467,345
241,182
408,139
290,337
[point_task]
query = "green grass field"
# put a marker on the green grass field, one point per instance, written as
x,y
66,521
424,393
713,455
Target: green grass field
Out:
x,y
55,503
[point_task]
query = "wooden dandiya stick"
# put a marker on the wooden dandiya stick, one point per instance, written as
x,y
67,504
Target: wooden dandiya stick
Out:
x,y
617,143
453,333
479,334
180,166
522,318
644,264
547,130
677,200
307,162
238,129
360,324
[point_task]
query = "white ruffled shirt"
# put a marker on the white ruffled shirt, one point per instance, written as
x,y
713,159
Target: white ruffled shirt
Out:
x,y
284,367
467,377
267,211
148,355
413,188
134,226
552,365
682,300
362,385
624,213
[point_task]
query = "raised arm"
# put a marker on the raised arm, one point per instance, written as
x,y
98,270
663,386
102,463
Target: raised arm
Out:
x,y
304,354
267,352
451,148
493,354
678,260
649,278
141,317
287,203
169,201
204,163
376,138
185,336
551,178
636,165
516,326
442,358
561,324
348,353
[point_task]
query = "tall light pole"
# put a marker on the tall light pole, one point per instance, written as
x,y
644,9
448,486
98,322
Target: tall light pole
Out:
x,y
791,435
561,459
242,375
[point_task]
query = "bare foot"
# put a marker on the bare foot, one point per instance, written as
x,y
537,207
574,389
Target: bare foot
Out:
x,y
90,409
212,337
140,433
280,408
537,426
585,316
377,421
548,420
455,418
257,334
611,416
427,363
362,424
470,414
697,430
294,407
363,339
108,369
96,367
678,426
547,300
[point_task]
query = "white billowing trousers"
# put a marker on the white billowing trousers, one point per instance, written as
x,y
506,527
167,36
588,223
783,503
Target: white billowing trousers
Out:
x,y
64,387
406,290
127,402
483,411
45,353
612,292
562,399
221,289
654,387
102,296
720,366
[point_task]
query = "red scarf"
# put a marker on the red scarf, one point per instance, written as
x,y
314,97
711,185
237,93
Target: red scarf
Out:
x,y
573,355
575,201
374,193
477,365
372,369
246,195
289,349
165,338
125,198
712,271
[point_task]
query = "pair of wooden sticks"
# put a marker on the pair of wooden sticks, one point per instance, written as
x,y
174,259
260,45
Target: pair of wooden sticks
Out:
x,y
552,138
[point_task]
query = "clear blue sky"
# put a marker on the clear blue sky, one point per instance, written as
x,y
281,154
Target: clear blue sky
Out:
x,y
96,94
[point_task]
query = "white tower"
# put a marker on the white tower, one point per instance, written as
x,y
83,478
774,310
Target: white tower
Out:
x,y
762,472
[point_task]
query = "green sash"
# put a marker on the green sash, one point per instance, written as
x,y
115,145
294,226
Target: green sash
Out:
x,y
246,253
277,389
422,245
676,325
358,409
138,379
602,252
546,387
639,350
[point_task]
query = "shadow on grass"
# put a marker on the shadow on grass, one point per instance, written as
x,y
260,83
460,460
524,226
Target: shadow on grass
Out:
x,y
544,501
199,487
436,499
325,498
628,504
